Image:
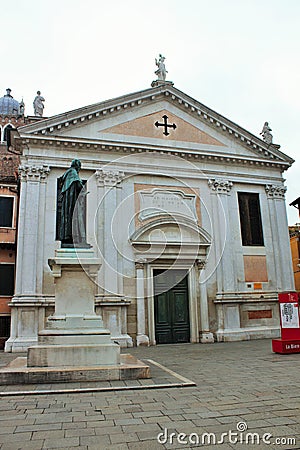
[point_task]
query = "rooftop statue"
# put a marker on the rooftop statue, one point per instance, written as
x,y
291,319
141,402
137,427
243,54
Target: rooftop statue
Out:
x,y
266,135
161,72
72,232
38,105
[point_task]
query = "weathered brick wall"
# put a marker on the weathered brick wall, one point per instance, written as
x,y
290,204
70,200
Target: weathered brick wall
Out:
x,y
9,164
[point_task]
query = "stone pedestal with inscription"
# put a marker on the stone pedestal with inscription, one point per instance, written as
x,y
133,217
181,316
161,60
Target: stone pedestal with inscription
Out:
x,y
74,346
74,335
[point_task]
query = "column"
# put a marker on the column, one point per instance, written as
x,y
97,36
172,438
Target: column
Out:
x,y
109,182
142,338
280,237
206,336
221,189
28,299
31,229
110,301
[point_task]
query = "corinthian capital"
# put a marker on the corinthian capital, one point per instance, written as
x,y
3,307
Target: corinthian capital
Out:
x,y
109,177
31,172
201,264
275,191
220,185
140,263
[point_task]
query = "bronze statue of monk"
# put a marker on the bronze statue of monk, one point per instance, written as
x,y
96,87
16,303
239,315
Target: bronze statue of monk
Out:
x,y
72,231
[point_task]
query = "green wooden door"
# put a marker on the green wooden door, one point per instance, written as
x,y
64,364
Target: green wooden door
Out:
x,y
171,307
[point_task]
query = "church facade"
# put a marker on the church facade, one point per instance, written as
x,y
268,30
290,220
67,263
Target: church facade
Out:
x,y
184,208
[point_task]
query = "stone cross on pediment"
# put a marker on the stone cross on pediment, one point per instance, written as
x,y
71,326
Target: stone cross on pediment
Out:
x,y
166,125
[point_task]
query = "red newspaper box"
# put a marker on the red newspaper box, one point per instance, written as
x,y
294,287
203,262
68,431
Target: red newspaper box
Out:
x,y
289,323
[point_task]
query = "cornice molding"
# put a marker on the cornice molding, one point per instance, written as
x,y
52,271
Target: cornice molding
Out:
x,y
119,147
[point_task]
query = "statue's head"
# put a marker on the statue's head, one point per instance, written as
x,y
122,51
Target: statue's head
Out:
x,y
38,92
76,164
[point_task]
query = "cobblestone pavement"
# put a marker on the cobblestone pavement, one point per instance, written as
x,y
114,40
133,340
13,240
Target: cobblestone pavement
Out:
x,y
239,384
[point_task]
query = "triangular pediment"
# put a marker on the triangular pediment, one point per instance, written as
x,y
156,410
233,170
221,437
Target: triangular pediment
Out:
x,y
138,119
163,125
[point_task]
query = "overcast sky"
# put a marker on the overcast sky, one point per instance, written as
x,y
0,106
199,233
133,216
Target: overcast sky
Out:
x,y
240,58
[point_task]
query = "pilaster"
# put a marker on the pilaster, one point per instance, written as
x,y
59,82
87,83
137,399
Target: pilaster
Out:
x,y
142,338
28,303
220,191
206,336
280,237
108,184
31,228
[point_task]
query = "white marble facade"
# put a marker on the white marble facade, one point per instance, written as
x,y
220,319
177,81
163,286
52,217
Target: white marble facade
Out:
x,y
155,202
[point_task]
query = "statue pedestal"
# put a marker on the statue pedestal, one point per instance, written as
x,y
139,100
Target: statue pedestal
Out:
x,y
74,335
74,346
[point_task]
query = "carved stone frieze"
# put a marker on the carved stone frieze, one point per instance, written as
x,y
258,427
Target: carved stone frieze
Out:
x,y
220,185
275,191
30,172
109,177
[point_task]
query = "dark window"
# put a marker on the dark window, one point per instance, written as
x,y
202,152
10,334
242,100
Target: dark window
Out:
x,y
6,211
7,279
250,218
6,136
4,326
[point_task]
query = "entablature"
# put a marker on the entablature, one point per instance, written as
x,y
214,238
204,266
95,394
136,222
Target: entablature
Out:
x,y
117,147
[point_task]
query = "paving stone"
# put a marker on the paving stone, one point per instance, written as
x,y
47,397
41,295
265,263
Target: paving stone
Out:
x,y
121,438
95,440
281,420
147,414
144,427
61,443
23,445
80,432
15,437
131,421
7,430
39,427
52,434
72,425
53,418
117,429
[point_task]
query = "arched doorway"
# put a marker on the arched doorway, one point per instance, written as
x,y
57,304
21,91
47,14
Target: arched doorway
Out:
x,y
169,249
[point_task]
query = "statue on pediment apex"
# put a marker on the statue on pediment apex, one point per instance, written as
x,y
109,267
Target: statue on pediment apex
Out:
x,y
266,135
161,72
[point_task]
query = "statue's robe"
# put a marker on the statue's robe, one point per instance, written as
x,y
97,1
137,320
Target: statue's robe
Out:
x,y
72,225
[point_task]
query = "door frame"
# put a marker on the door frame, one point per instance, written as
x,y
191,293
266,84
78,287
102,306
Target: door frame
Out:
x,y
192,299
